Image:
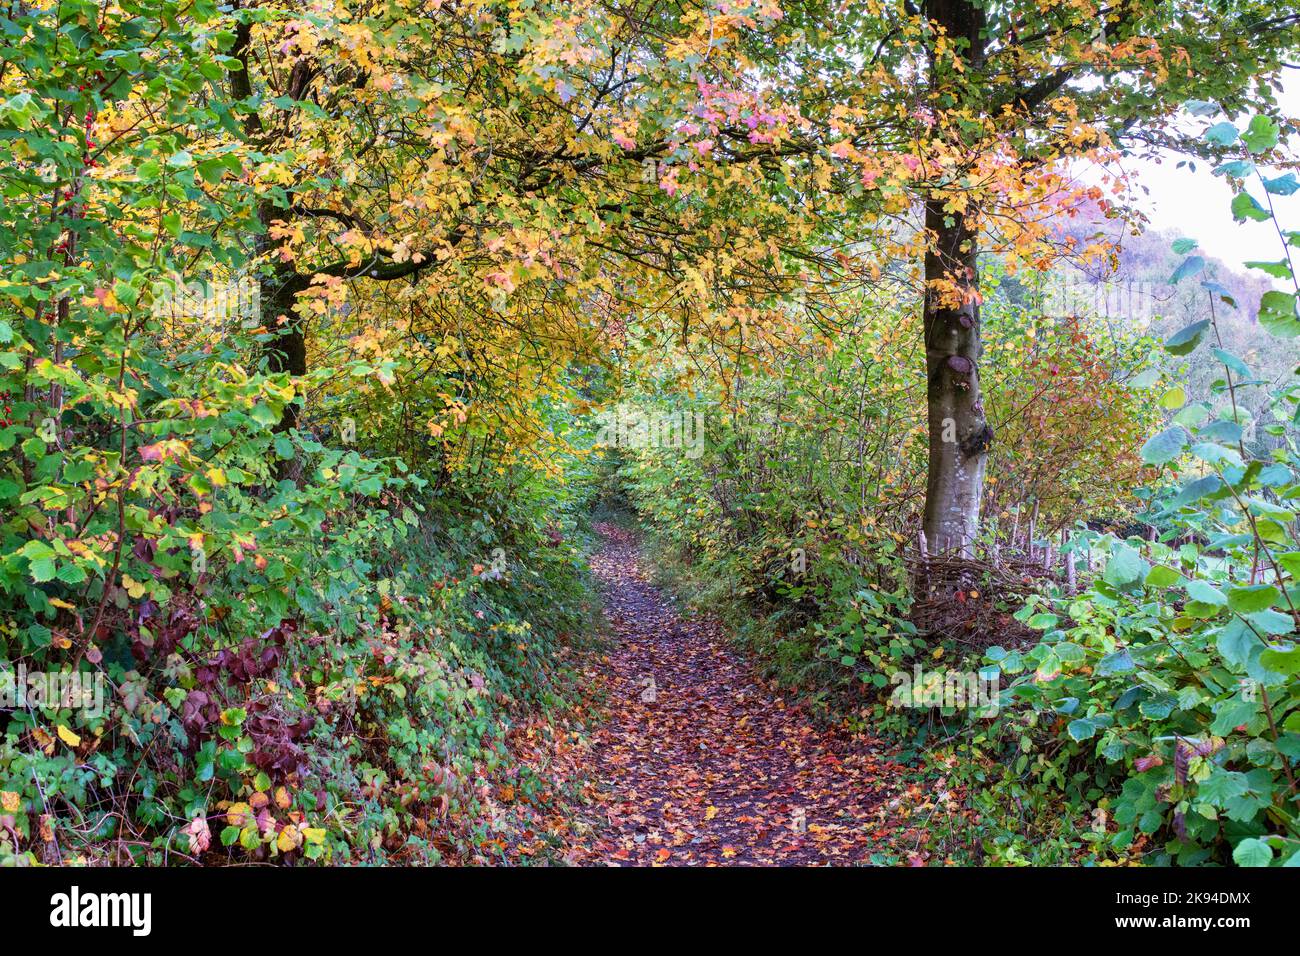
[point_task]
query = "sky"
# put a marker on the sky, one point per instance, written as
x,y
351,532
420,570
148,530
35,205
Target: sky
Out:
x,y
1195,204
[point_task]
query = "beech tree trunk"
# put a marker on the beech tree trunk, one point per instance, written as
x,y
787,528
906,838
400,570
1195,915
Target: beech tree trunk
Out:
x,y
959,433
287,351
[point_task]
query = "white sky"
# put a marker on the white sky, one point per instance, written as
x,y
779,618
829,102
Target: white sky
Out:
x,y
1195,204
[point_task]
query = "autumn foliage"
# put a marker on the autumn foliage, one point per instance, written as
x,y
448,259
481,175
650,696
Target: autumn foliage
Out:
x,y
308,318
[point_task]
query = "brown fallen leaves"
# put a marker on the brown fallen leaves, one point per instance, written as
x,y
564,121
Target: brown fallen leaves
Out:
x,y
699,763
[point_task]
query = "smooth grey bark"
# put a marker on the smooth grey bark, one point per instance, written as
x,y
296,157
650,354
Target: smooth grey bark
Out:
x,y
959,433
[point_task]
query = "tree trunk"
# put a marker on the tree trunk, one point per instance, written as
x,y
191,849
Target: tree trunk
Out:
x,y
287,351
959,433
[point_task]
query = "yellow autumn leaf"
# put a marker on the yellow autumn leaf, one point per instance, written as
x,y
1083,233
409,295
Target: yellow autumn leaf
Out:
x,y
239,814
289,839
68,737
9,801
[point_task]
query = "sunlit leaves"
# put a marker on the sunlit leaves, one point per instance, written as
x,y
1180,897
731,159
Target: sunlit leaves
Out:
x,y
1125,566
1252,852
1261,134
1247,600
1245,206
1278,314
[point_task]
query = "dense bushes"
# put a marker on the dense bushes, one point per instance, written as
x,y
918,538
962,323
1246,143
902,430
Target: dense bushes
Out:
x,y
339,654
311,635
1164,697
343,659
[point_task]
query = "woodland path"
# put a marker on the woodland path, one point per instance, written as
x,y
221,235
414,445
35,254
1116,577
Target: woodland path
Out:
x,y
707,765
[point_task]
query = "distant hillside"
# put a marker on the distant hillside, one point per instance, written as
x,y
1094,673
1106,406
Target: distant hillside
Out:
x,y
1131,290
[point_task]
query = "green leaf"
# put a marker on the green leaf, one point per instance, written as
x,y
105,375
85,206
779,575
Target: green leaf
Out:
x,y
1213,454
1275,475
42,570
1283,661
1237,169
1233,363
1261,135
1257,597
1278,270
1120,662
1232,714
212,170
72,574
264,414
1176,397
1196,489
1219,289
1252,851
1206,593
1235,642
1081,729
1221,134
1166,446
1124,567
1274,623
1161,576
1277,314
21,109
1220,430
1186,339
1245,207
1282,185
1190,267
1222,785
